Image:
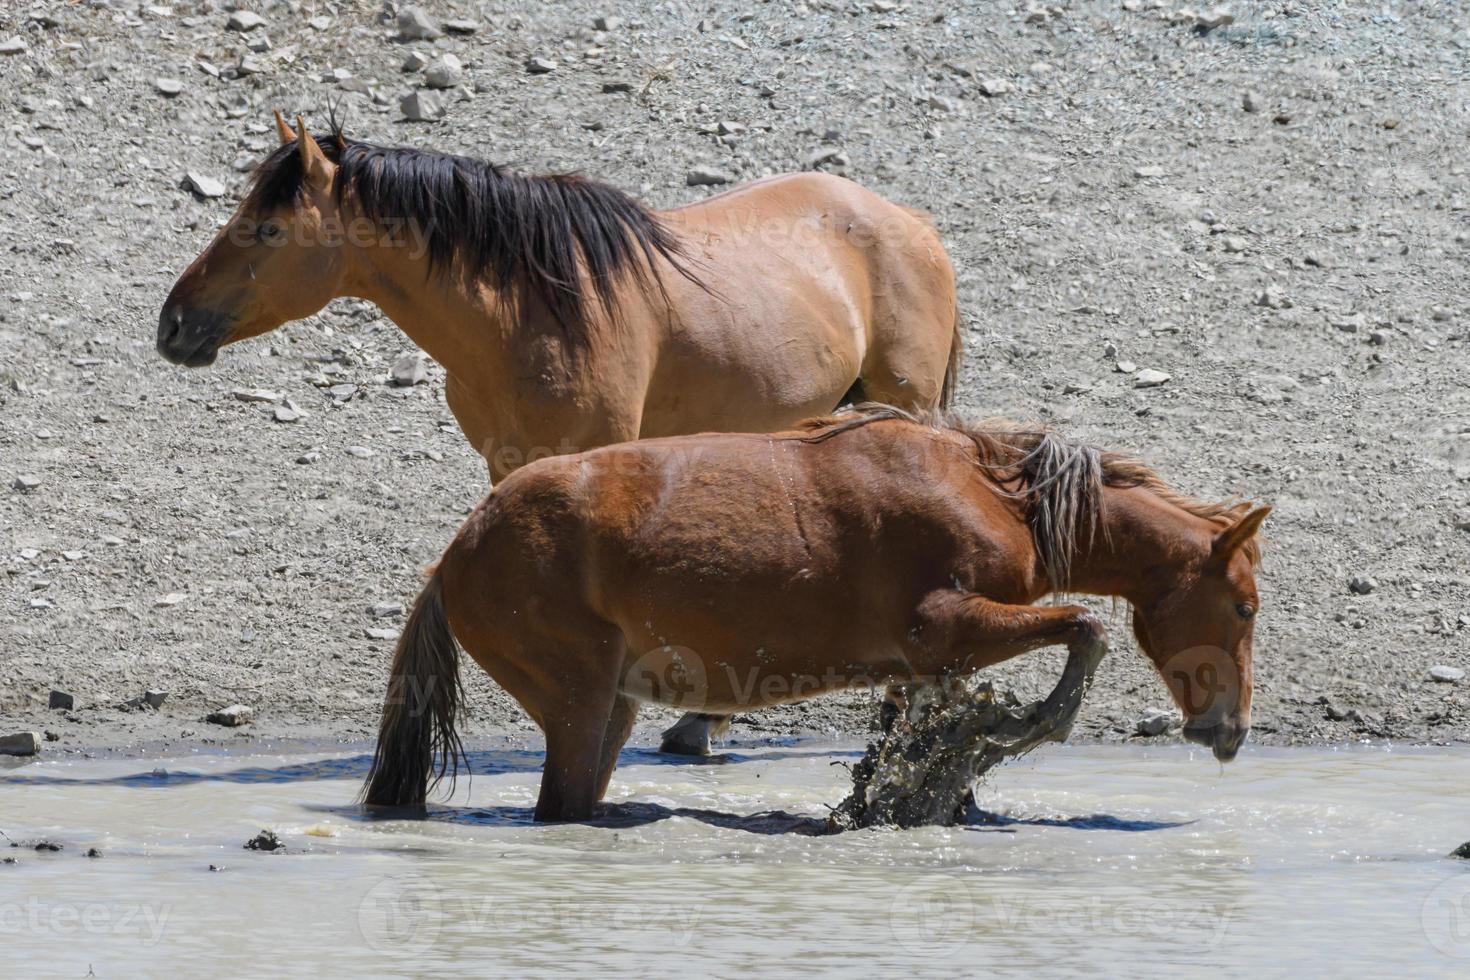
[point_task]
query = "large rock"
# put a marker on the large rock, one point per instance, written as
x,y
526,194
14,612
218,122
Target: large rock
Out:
x,y
446,72
706,176
232,717
421,106
416,25
21,743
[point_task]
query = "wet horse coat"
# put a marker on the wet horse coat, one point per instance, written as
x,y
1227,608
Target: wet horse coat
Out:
x,y
729,572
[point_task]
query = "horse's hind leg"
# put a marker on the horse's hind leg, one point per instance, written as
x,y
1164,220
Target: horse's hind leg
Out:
x,y
619,726
575,733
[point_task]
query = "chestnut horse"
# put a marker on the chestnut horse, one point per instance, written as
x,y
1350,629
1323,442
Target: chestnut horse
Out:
x,y
569,316
730,572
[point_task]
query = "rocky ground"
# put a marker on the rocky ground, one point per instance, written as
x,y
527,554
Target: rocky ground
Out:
x,y
1272,212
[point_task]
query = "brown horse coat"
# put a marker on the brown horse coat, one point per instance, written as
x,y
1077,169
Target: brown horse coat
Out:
x,y
729,572
569,316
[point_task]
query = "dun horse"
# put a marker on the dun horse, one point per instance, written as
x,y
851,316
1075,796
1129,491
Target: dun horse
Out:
x,y
730,572
568,316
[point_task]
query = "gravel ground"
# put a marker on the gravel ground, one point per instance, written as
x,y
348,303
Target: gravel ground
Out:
x,y
1272,212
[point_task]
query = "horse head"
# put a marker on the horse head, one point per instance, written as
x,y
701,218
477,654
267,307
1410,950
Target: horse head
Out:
x,y
1198,633
278,258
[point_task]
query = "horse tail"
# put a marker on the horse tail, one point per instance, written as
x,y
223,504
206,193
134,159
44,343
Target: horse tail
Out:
x,y
956,353
417,743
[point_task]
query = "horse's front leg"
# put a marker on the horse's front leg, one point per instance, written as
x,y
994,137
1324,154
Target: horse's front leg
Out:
x,y
961,632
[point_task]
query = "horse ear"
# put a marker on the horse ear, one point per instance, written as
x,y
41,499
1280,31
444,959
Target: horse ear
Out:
x,y
314,162
1230,540
283,129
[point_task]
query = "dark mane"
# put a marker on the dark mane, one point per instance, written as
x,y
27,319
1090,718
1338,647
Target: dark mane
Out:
x,y
1061,481
533,237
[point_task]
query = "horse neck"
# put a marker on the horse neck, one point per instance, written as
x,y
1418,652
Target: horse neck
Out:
x,y
457,319
1140,538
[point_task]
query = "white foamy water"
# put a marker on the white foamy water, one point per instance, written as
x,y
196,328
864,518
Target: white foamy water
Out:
x,y
1097,858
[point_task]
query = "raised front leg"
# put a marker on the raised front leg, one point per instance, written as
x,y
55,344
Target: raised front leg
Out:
x,y
961,632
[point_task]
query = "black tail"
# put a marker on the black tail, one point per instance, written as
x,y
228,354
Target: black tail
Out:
x,y
417,743
956,353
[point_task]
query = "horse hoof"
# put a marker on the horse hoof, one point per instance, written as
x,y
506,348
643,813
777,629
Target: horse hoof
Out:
x,y
676,744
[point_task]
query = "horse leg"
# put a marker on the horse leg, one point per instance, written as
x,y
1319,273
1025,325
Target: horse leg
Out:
x,y
619,726
965,632
576,729
692,733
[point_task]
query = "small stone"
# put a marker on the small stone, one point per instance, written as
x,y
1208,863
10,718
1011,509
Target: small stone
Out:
x,y
1233,244
25,483
170,600
306,459
320,23
1149,378
1362,584
1250,102
1125,367
1445,674
540,66
447,72
1463,851
21,743
421,106
409,370
1273,298
61,701
245,20
232,717
285,414
416,25
1348,323
606,23
14,45
92,852
378,633
1213,18
361,452
1378,337
461,26
255,395
1155,721
382,610
168,86
824,155
611,87
991,87
154,698
1143,173
415,61
203,186
706,177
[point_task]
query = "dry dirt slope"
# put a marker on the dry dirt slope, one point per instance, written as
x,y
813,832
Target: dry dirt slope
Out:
x,y
1113,201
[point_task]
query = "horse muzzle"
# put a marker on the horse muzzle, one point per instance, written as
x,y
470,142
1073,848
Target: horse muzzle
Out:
x,y
1223,740
190,337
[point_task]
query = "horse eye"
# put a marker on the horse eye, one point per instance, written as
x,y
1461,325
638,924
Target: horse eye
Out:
x,y
1245,611
269,231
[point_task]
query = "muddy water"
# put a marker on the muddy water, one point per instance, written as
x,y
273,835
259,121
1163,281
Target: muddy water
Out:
x,y
1092,858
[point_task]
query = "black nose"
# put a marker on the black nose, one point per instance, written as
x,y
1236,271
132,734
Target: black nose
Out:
x,y
170,328
189,337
